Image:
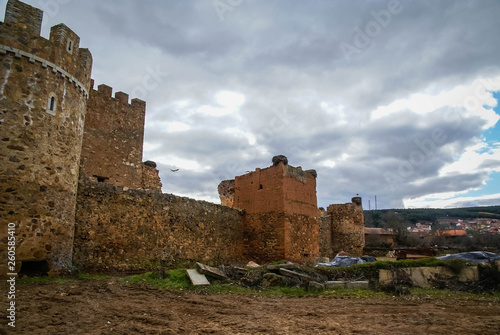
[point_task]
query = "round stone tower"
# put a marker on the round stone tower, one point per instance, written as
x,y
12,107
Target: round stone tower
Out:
x,y
347,228
43,92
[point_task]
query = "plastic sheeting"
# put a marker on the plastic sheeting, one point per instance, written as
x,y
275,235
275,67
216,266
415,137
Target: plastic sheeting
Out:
x,y
348,261
473,256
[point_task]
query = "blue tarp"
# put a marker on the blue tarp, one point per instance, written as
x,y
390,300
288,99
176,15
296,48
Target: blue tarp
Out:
x,y
348,261
474,256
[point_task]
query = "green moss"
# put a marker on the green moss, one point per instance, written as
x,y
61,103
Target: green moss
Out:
x,y
174,279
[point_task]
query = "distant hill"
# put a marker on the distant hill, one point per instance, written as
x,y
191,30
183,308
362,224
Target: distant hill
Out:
x,y
431,214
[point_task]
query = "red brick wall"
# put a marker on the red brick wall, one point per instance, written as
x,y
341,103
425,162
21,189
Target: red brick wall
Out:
x,y
281,220
260,191
299,189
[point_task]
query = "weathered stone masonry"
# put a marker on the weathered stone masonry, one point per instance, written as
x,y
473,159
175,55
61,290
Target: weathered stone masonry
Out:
x,y
347,228
113,140
43,92
133,229
73,182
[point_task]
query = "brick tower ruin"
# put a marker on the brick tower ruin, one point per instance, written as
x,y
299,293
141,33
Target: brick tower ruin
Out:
x,y
281,215
43,93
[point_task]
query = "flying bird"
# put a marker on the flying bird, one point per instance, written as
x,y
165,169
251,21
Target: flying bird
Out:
x,y
174,170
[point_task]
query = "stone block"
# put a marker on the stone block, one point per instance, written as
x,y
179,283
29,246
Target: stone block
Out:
x,y
335,283
272,279
357,284
322,260
277,267
297,275
385,277
252,264
197,279
313,285
210,271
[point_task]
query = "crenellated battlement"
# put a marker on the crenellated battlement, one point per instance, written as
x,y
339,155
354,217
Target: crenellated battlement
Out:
x,y
20,34
113,138
24,17
105,92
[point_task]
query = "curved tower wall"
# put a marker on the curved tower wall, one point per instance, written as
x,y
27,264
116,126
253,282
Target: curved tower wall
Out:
x,y
44,87
347,228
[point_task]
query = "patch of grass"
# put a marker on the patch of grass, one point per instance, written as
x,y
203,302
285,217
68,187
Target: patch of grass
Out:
x,y
175,279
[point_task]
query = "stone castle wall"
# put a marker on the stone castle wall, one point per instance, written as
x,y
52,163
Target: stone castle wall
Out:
x,y
43,92
129,230
113,137
347,228
226,192
53,124
325,237
150,177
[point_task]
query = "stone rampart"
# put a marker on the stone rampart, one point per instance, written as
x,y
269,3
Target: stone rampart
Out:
x,y
119,230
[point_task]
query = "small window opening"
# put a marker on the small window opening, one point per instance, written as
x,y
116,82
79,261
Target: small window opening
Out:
x,y
260,187
52,104
34,268
70,46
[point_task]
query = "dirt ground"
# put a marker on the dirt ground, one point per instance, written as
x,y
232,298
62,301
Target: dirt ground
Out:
x,y
106,307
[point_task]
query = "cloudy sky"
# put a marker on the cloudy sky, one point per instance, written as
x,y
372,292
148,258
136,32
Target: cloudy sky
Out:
x,y
394,99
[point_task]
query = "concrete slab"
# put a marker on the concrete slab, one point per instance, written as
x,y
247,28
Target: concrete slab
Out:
x,y
197,279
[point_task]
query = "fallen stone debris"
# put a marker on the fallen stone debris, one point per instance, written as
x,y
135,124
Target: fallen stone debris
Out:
x,y
319,278
270,275
211,271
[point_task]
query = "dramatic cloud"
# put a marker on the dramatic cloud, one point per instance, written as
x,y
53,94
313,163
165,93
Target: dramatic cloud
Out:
x,y
388,98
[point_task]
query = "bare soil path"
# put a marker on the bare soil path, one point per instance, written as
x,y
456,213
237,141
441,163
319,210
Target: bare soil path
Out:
x,y
106,307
